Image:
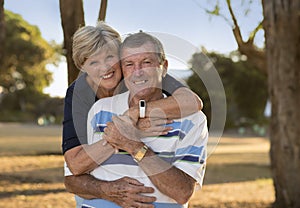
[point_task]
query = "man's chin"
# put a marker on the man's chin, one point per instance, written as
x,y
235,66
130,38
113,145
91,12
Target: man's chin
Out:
x,y
142,93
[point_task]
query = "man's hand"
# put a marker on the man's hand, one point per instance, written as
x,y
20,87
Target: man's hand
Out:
x,y
128,192
115,136
145,127
123,133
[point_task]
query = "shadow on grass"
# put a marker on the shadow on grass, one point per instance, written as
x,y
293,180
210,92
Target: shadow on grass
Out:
x,y
43,175
28,153
13,183
30,192
236,205
239,172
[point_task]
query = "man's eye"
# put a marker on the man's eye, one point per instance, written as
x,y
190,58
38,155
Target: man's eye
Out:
x,y
128,64
147,63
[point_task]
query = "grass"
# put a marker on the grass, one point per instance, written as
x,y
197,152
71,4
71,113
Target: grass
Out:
x,y
31,171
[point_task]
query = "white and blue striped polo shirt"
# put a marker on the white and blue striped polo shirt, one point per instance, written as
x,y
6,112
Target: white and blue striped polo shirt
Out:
x,y
184,147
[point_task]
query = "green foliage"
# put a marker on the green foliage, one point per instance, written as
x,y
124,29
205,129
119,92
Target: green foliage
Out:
x,y
23,73
245,88
26,56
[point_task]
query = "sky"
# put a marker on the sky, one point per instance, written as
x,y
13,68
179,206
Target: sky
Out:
x,y
184,19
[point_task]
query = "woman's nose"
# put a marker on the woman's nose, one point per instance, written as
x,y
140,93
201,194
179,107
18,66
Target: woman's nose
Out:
x,y
103,68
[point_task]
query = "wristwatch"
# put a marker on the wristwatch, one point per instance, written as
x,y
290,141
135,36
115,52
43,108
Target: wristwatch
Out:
x,y
142,106
140,154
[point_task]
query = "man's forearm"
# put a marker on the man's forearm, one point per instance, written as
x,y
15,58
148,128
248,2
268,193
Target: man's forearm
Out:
x,y
85,186
167,178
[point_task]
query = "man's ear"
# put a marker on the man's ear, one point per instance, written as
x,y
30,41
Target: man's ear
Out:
x,y
165,67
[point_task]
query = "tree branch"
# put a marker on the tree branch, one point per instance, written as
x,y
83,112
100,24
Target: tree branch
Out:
x,y
254,32
248,48
102,11
236,29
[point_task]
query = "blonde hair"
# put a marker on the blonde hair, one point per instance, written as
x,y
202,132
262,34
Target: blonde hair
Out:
x,y
88,40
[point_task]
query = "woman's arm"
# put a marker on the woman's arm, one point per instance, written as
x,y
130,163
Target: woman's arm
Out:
x,y
183,102
85,158
79,156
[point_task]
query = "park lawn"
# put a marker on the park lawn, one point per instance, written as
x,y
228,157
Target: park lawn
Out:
x,y
31,171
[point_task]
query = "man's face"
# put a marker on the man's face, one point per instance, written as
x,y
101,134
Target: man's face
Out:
x,y
142,71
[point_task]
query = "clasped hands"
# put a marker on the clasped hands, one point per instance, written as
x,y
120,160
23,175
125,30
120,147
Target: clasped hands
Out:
x,y
125,133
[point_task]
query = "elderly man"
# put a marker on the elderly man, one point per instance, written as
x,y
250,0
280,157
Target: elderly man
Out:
x,y
173,163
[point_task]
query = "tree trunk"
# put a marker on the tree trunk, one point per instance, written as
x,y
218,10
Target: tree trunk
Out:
x,y
283,59
72,17
102,11
2,31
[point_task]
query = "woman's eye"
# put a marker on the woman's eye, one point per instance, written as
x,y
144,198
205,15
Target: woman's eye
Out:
x,y
109,57
93,63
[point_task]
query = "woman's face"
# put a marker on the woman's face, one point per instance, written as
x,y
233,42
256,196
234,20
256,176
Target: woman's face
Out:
x,y
103,69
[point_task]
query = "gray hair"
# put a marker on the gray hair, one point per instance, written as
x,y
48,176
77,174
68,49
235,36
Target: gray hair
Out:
x,y
138,39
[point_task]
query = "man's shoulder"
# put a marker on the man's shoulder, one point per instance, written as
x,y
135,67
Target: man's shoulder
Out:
x,y
110,103
196,117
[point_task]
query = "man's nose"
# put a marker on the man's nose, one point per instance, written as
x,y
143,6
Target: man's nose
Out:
x,y
138,70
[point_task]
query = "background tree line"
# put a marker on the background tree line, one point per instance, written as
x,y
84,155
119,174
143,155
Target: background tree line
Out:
x,y
23,73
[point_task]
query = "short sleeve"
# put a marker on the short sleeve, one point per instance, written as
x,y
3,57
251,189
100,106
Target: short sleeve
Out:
x,y
78,101
170,85
67,171
69,139
191,150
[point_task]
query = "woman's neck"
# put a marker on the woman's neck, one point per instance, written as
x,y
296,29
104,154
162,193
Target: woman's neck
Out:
x,y
102,93
99,91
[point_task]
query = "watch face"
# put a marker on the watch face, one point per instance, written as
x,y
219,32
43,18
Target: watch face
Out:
x,y
142,103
